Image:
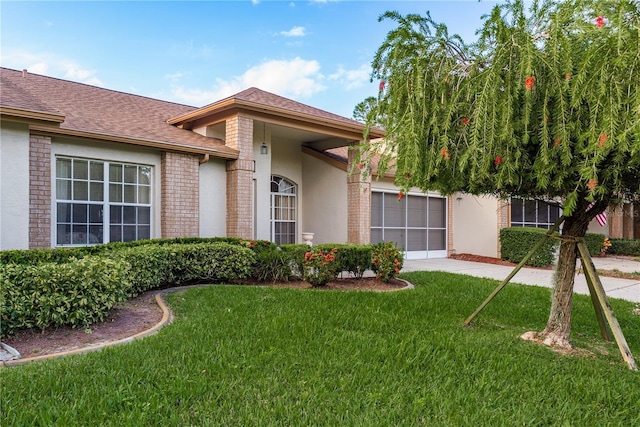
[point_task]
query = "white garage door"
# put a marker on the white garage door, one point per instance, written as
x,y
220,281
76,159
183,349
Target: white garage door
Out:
x,y
416,223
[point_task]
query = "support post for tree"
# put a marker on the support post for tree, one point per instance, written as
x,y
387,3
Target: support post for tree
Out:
x,y
526,258
603,305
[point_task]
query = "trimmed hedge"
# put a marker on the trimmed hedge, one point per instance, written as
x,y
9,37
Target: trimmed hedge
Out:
x,y
82,291
624,247
516,242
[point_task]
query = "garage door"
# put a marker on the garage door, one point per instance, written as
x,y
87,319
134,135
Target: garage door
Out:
x,y
416,223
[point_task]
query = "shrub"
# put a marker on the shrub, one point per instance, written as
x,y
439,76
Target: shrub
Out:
x,y
516,242
319,266
77,293
594,243
295,254
386,260
272,266
625,247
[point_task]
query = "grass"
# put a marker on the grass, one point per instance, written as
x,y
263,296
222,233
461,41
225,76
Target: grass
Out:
x,y
265,356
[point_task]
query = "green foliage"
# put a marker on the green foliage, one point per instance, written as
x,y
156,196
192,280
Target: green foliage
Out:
x,y
546,104
295,253
319,266
272,266
351,258
516,242
624,247
80,292
77,293
386,260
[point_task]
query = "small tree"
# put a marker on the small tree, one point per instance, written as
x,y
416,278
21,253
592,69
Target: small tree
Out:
x,y
546,104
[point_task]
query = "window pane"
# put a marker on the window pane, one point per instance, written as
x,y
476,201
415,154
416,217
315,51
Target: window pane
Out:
x,y
376,235
129,215
394,211
376,210
96,171
416,211
128,233
437,212
417,240
144,232
437,240
79,213
144,194
130,194
516,210
63,168
144,216
115,173
554,214
63,189
80,190
115,215
80,169
115,192
115,233
64,212
95,234
530,210
63,232
96,191
130,174
144,175
79,234
95,214
396,236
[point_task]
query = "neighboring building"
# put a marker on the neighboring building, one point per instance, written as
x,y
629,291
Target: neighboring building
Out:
x,y
84,165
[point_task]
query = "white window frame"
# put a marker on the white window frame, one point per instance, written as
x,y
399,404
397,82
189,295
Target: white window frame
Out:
x,y
542,220
140,189
287,190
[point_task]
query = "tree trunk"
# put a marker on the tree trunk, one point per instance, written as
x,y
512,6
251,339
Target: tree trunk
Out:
x,y
558,326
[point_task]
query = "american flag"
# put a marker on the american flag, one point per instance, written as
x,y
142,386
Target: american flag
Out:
x,y
601,218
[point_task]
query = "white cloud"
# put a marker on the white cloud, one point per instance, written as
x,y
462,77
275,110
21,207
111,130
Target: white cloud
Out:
x,y
297,78
50,65
352,79
76,73
294,32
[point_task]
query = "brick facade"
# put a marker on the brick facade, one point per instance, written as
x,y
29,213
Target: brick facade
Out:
x,y
358,204
504,218
39,191
179,213
239,135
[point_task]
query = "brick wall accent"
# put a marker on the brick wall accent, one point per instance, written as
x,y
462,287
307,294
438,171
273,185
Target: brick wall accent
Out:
x,y
504,218
40,196
239,135
358,204
179,212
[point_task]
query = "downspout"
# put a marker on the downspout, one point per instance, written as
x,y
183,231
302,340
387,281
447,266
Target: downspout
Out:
x,y
204,159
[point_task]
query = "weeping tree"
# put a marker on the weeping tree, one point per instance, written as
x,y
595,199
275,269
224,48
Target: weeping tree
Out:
x,y
545,104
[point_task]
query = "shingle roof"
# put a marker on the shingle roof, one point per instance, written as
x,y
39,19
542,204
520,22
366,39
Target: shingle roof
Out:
x,y
109,114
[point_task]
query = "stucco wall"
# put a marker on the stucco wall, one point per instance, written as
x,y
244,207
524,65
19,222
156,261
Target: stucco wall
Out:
x,y
114,153
475,225
14,186
286,161
325,200
262,182
213,201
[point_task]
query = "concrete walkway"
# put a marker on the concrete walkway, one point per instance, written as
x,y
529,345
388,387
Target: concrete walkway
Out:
x,y
614,288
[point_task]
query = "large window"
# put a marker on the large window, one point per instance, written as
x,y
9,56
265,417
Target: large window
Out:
x,y
533,213
99,202
283,211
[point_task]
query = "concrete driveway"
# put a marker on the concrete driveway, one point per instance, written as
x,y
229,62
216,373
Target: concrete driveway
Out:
x,y
614,288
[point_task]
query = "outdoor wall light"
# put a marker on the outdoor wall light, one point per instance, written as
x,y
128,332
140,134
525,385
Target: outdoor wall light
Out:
x,y
263,148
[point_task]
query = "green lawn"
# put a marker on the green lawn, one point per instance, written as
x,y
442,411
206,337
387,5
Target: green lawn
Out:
x,y
260,356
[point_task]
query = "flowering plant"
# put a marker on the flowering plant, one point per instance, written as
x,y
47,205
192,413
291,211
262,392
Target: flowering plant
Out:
x,y
605,246
386,260
319,267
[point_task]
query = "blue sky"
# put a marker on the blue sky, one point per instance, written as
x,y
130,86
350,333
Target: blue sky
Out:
x,y
195,53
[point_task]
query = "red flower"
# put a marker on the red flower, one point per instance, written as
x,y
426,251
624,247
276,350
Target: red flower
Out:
x,y
592,184
400,195
465,120
360,165
381,87
407,175
528,82
567,76
602,140
498,160
556,142
600,22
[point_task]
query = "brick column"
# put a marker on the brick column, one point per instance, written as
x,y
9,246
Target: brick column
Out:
x,y
180,206
504,218
39,191
239,135
615,219
358,203
450,223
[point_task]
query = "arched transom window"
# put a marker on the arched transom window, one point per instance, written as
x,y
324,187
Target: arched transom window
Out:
x,y
283,211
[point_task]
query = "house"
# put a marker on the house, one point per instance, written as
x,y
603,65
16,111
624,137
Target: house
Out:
x,y
83,165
